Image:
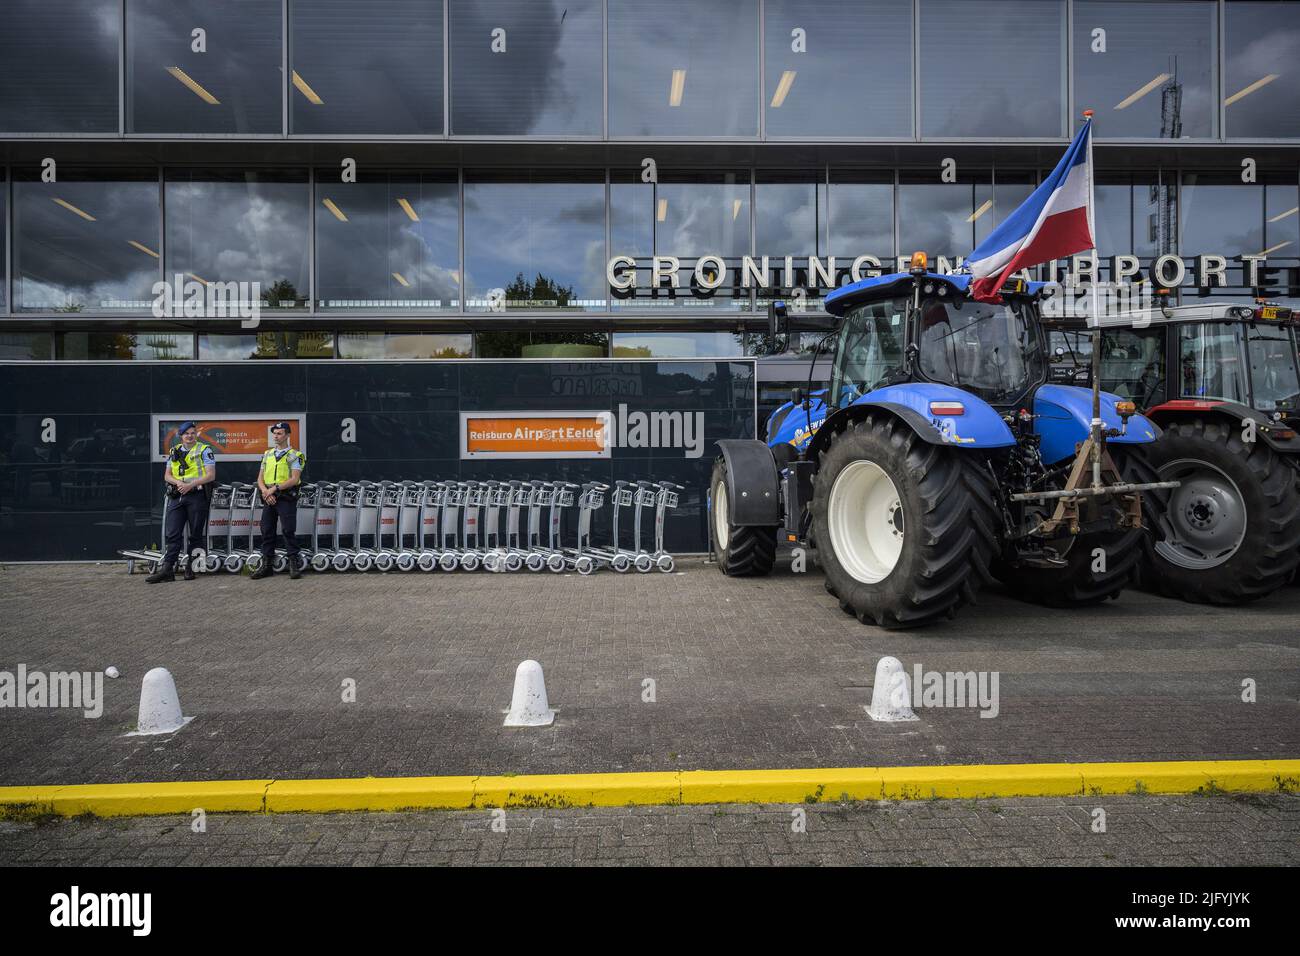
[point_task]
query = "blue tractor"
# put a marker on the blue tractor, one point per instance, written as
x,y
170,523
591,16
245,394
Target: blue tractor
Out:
x,y
939,456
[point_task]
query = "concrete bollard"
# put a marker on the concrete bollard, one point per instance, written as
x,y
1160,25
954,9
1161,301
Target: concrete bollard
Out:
x,y
529,706
160,705
891,694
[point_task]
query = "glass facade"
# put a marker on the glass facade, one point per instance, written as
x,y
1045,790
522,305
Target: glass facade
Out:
x,y
199,67
86,243
1148,69
387,241
365,68
58,66
1262,82
248,227
526,67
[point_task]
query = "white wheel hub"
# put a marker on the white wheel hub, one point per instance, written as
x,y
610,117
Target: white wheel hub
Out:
x,y
865,519
721,529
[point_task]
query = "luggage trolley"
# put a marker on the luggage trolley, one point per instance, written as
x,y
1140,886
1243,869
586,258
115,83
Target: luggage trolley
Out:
x,y
327,522
243,501
367,506
666,497
453,499
574,561
218,527
152,557
624,497
388,515
308,503
345,521
499,556
520,497
253,556
408,525
540,556
645,495
591,500
471,542
431,497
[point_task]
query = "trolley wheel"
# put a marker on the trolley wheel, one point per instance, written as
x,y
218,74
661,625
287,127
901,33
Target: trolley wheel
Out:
x,y
304,561
341,562
644,563
665,563
385,563
320,562
585,565
470,562
280,563
621,563
406,562
514,562
535,562
212,563
363,562
253,562
233,563
555,563
426,562
492,562
130,566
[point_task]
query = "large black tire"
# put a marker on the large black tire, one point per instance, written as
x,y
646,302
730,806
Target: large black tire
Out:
x,y
944,510
1262,487
1088,577
740,552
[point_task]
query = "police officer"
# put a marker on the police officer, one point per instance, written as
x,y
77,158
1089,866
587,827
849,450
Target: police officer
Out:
x,y
278,480
190,467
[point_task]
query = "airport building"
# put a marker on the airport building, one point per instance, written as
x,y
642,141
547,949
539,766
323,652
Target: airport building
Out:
x,y
392,220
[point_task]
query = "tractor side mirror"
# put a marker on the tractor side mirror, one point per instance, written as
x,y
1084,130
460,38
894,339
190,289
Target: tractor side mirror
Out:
x,y
796,397
778,318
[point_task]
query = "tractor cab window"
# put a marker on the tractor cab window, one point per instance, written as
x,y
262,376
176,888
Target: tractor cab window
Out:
x,y
1273,374
992,351
1213,362
1132,362
870,352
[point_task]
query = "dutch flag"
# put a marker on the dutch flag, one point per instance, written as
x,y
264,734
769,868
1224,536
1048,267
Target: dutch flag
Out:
x,y
1056,221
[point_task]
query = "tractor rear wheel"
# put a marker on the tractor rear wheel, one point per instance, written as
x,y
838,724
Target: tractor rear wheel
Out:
x,y
740,551
1230,533
905,529
1098,566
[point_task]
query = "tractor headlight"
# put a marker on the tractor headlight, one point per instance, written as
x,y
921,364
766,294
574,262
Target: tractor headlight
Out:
x,y
929,288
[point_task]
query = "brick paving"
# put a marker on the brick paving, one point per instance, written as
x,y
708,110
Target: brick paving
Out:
x,y
1215,830
747,674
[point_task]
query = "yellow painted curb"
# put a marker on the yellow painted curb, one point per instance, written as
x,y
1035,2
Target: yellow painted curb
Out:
x,y
814,785
370,793
578,790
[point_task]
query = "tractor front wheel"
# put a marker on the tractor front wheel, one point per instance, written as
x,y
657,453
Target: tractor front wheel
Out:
x,y
740,551
905,529
1230,532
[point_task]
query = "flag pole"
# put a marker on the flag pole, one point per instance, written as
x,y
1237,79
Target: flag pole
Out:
x,y
1095,430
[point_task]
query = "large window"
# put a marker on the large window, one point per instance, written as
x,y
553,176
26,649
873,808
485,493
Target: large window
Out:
x,y
992,69
370,68
87,242
678,345
387,242
859,215
686,215
266,345
534,241
58,66
786,214
125,346
194,66
683,68
526,67
938,218
1262,74
820,79
226,225
404,345
1147,69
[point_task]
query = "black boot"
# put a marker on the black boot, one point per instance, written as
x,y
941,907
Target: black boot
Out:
x,y
265,571
294,571
189,570
164,573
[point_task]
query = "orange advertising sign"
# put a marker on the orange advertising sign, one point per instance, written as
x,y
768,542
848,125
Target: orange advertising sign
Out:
x,y
535,435
232,437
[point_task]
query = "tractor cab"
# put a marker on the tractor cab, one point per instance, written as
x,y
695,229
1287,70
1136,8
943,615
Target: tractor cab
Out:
x,y
922,327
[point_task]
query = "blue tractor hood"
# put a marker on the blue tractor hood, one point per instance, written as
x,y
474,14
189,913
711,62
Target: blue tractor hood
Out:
x,y
1065,414
877,288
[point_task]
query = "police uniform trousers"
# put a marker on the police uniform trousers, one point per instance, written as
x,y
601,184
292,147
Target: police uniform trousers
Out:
x,y
188,512
285,512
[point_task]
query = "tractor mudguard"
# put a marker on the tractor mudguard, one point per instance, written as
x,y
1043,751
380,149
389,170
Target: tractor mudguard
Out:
x,y
978,425
1065,417
1272,433
753,494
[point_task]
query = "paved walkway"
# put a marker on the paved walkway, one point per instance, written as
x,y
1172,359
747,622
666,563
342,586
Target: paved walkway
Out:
x,y
746,674
1243,829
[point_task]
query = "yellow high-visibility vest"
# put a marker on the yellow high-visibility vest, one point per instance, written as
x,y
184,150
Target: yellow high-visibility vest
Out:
x,y
276,471
193,466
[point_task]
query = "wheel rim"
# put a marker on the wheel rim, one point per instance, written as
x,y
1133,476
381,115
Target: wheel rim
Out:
x,y
1206,521
721,529
865,517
